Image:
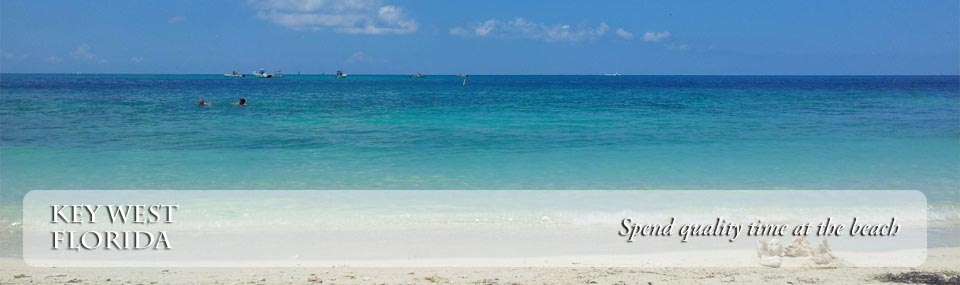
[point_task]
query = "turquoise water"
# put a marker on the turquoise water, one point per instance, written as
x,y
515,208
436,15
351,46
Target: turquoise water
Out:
x,y
496,132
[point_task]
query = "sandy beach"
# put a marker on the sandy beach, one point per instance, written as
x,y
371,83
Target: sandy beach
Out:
x,y
479,142
942,263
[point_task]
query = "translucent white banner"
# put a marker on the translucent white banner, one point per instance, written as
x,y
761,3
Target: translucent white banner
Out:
x,y
443,228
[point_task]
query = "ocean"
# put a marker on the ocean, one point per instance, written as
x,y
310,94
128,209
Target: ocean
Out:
x,y
494,132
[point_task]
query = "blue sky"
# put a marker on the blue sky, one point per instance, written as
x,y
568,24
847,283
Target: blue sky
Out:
x,y
482,37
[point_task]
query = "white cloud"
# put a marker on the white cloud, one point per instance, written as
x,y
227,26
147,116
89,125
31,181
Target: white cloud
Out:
x,y
673,46
369,17
136,60
624,34
359,57
177,19
522,28
14,56
655,37
53,59
83,52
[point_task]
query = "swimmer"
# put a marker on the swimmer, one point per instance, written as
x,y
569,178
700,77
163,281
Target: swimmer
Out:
x,y
242,103
203,103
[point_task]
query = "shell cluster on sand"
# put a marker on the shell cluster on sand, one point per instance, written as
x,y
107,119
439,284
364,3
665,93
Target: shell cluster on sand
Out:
x,y
771,252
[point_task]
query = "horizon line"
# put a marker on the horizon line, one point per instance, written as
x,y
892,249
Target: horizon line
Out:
x,y
478,74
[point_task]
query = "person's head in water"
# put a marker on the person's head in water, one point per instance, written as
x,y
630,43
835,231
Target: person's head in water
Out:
x,y
201,103
243,102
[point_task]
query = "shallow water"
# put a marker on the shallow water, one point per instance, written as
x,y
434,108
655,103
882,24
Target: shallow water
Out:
x,y
496,132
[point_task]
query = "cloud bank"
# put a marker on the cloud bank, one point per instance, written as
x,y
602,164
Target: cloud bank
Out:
x,y
522,28
177,19
368,17
83,52
14,56
655,37
624,34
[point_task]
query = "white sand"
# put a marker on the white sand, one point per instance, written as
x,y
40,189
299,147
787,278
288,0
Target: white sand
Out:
x,y
14,271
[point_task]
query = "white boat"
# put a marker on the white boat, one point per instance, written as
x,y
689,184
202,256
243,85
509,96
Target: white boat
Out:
x,y
233,74
612,74
417,75
340,74
263,74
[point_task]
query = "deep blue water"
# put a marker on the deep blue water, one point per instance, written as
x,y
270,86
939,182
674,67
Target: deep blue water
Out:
x,y
496,132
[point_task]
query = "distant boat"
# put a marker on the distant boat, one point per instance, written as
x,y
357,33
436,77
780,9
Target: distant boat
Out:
x,y
263,74
417,75
612,74
233,74
340,74
464,75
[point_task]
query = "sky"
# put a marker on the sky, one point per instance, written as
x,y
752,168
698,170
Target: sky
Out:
x,y
482,37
